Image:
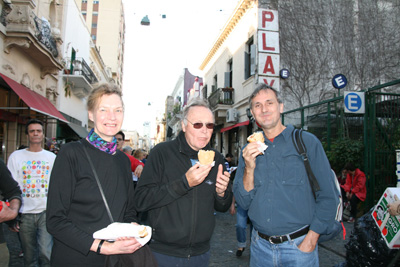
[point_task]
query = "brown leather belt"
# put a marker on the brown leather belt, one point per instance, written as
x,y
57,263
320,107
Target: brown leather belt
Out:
x,y
277,239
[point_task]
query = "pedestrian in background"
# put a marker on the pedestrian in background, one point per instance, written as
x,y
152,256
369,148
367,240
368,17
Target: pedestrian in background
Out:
x,y
241,226
273,186
76,208
31,168
354,190
179,195
139,155
11,193
136,165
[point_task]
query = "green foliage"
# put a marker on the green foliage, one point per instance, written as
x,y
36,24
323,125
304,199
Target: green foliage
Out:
x,y
343,151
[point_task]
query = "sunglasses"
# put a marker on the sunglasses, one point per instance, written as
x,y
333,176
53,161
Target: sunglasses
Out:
x,y
199,125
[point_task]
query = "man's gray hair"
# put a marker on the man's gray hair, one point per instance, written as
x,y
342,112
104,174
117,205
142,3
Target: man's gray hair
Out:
x,y
127,149
261,87
194,102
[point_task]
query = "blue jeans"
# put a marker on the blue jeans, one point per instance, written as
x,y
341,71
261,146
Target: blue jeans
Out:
x,y
171,261
36,242
241,226
265,254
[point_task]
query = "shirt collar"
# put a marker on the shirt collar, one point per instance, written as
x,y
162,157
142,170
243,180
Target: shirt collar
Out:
x,y
185,148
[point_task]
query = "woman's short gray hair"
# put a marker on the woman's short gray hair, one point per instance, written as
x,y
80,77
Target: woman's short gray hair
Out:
x,y
261,87
194,102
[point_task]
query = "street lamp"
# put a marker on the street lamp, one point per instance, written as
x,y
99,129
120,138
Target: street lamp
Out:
x,y
145,21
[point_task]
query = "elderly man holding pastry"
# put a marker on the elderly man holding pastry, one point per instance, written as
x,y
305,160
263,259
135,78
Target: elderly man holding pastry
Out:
x,y
178,192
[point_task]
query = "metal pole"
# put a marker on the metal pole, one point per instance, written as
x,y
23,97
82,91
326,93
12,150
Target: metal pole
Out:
x,y
398,167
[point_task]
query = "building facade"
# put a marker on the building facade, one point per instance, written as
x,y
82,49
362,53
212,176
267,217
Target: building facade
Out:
x,y
48,66
106,21
30,56
187,86
230,76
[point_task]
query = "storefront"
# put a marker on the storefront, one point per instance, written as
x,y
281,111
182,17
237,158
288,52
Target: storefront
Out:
x,y
18,104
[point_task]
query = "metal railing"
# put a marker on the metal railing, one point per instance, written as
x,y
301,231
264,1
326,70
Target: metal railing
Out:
x,y
369,140
222,96
80,67
43,34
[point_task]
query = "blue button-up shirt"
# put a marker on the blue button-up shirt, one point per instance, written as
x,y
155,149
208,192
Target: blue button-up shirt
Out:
x,y
282,200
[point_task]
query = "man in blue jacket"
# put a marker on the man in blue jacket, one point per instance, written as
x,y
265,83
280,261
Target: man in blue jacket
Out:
x,y
273,186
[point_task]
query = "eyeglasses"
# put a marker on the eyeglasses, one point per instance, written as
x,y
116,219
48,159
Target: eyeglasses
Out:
x,y
119,139
199,125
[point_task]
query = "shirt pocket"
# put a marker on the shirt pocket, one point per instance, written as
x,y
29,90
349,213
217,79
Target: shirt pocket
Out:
x,y
294,172
260,173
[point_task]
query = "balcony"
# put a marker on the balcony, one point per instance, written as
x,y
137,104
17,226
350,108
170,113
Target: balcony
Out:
x,y
24,30
79,77
220,101
221,97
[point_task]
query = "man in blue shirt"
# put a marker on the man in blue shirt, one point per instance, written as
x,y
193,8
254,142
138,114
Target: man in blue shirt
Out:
x,y
275,190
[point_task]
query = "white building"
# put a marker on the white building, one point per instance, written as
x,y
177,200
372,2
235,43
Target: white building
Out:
x,y
230,76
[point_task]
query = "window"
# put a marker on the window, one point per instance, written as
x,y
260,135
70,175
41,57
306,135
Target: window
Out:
x,y
95,2
94,25
84,13
93,36
228,75
249,59
95,13
215,84
204,91
84,1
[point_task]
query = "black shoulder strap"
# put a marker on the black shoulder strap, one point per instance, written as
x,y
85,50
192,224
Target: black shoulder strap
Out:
x,y
297,138
98,183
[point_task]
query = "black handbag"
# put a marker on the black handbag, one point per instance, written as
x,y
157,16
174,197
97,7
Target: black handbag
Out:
x,y
142,257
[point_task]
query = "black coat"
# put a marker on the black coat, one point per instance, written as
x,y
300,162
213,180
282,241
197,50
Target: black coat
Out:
x,y
182,217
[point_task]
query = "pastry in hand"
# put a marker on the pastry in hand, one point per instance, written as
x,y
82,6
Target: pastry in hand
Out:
x,y
206,157
258,138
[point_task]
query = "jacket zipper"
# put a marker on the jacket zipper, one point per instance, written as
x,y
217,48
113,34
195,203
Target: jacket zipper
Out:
x,y
194,219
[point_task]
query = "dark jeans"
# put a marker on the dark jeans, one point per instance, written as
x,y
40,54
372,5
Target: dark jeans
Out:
x,y
194,261
353,203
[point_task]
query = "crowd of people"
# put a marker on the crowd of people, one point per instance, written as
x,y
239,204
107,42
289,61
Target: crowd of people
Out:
x,y
57,202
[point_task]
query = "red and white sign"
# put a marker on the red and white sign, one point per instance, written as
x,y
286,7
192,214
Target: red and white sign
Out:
x,y
268,47
273,82
268,42
268,64
268,20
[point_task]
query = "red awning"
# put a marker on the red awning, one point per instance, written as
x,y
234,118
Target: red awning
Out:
x,y
234,126
34,100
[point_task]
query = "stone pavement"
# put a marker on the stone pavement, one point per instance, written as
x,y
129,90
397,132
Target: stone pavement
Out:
x,y
223,246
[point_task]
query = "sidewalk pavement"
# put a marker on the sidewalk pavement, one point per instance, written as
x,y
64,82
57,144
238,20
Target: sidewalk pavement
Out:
x,y
223,246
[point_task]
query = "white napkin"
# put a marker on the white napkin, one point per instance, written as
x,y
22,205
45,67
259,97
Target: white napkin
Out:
x,y
212,164
115,230
261,147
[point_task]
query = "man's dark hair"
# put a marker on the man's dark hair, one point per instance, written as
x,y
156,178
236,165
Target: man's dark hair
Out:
x,y
349,167
32,121
121,133
260,87
228,155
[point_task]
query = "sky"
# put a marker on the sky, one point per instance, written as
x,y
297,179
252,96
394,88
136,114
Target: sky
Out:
x,y
156,55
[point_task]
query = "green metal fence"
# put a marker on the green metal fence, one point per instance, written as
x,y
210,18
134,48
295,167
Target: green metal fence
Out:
x,y
368,139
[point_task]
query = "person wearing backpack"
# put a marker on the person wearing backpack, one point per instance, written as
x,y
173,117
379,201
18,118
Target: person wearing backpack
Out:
x,y
274,187
354,190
